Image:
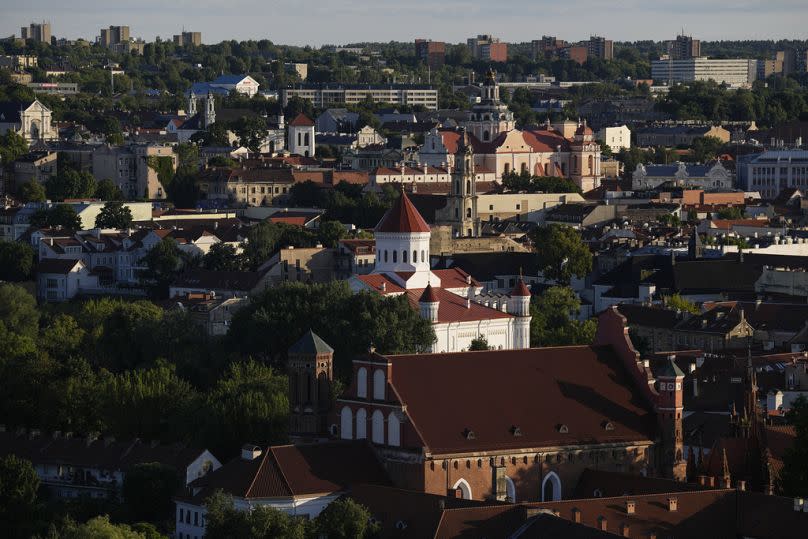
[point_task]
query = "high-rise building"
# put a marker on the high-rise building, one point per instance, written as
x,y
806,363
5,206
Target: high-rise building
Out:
x,y
735,71
37,32
547,47
432,53
685,48
113,35
787,60
488,48
600,47
188,38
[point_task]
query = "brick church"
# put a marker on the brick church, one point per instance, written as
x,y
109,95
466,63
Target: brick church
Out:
x,y
511,425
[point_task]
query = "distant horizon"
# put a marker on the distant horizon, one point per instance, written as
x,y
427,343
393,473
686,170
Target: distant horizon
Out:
x,y
339,22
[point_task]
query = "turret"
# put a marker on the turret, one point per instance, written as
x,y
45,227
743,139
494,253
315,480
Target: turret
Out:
x,y
670,408
210,110
429,304
519,306
310,371
192,104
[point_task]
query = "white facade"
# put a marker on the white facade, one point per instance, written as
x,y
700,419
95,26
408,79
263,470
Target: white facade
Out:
x,y
773,171
405,252
64,286
32,122
705,177
301,140
616,138
735,72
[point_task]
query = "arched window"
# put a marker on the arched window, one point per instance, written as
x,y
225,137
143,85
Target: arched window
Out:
x,y
415,257
306,139
362,383
361,424
486,136
510,490
378,428
551,488
395,257
378,385
468,213
574,164
423,257
404,256
346,421
393,430
462,489
468,187
591,161
385,255
507,168
523,169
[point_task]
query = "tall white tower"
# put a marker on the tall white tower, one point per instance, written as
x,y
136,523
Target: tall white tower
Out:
x,y
519,306
210,110
301,136
192,104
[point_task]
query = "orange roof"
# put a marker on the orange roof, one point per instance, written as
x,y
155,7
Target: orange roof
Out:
x,y
454,308
302,121
429,295
402,217
521,289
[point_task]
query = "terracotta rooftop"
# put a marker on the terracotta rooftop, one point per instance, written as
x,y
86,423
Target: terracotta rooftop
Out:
x,y
301,121
402,217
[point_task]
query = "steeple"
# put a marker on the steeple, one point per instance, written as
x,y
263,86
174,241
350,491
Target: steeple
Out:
x,y
210,110
310,371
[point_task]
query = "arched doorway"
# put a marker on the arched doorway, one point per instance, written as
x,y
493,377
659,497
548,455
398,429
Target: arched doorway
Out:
x,y
510,490
551,488
462,489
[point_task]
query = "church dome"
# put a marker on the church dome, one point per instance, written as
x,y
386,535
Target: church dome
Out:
x,y
521,289
402,217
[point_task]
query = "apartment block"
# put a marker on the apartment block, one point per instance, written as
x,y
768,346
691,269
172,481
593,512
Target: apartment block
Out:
x,y
685,48
432,53
600,47
328,96
735,72
186,39
488,48
113,36
37,32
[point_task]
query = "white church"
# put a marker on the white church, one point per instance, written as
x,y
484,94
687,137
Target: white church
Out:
x,y
444,297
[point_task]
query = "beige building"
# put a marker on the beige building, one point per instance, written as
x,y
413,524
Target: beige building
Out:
x,y
530,207
303,264
37,32
30,120
134,168
246,186
188,38
616,138
36,166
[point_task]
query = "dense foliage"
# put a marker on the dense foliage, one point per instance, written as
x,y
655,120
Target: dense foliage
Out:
x,y
561,252
555,321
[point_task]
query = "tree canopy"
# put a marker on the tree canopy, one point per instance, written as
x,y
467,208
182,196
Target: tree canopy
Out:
x,y
114,215
555,321
561,252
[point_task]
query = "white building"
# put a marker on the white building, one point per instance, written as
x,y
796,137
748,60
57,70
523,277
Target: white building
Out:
x,y
735,71
223,85
710,177
772,171
31,120
300,138
63,279
616,138
444,297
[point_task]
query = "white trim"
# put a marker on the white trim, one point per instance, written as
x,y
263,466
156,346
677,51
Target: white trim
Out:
x,y
510,489
361,424
362,383
464,486
346,423
552,477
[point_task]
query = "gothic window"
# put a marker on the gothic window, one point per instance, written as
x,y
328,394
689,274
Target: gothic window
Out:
x,y
462,489
378,385
404,256
415,257
468,186
346,423
510,490
362,383
468,213
377,436
486,135
393,430
385,255
361,424
551,488
395,257
591,161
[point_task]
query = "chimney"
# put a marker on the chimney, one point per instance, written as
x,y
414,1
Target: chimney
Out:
x,y
673,504
741,484
631,506
250,452
603,524
576,515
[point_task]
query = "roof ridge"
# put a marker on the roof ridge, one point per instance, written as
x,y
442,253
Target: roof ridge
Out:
x,y
280,471
255,475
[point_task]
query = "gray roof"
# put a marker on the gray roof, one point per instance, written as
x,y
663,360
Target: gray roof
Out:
x,y
310,344
694,171
670,369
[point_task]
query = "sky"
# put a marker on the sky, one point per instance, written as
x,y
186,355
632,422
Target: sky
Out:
x,y
318,22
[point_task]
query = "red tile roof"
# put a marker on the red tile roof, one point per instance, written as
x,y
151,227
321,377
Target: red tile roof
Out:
x,y
402,217
301,121
581,387
376,280
453,308
521,289
455,278
429,295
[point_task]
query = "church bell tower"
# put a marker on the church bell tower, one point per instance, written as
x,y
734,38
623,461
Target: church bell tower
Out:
x,y
462,200
310,370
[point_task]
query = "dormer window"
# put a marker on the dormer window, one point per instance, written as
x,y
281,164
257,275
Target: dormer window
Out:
x,y
515,431
562,428
608,425
468,434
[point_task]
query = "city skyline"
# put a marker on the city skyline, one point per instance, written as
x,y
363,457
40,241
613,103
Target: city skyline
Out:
x,y
351,21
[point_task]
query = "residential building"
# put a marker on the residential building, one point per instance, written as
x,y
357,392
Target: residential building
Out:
x,y
186,39
135,168
580,215
774,171
336,121
615,137
300,480
224,284
444,297
730,71
547,47
600,47
468,452
488,48
432,53
531,207
19,61
60,280
684,48
336,95
37,31
710,176
355,257
678,135
36,166
94,467
113,35
301,264
224,84
213,314
31,120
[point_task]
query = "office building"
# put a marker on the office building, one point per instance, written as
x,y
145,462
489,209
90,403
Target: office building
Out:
x,y
488,48
113,35
685,48
772,171
734,72
337,95
600,47
432,53
186,39
37,32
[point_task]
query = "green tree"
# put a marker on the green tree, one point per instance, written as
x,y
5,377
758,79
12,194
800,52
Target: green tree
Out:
x,y
554,319
678,303
62,336
330,232
148,489
18,312
101,528
70,183
224,521
61,215
731,212
345,519
12,147
223,257
114,215
16,261
162,266
561,252
479,343
793,480
107,190
706,148
18,502
31,191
